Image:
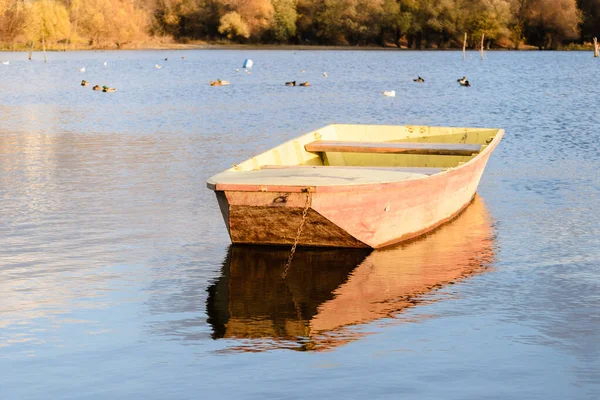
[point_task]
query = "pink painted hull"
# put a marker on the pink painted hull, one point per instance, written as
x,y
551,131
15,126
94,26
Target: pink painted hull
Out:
x,y
373,215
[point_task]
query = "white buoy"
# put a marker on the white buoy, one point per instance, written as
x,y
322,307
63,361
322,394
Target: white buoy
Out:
x,y
389,93
82,69
247,63
158,66
105,63
325,74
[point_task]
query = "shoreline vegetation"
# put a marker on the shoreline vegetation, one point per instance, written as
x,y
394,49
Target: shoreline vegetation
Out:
x,y
275,47
270,46
65,25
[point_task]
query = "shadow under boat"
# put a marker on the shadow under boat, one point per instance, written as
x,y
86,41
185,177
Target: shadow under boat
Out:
x,y
327,291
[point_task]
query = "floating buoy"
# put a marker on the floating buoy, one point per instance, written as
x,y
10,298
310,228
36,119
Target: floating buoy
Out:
x,y
158,66
325,74
389,93
82,69
247,63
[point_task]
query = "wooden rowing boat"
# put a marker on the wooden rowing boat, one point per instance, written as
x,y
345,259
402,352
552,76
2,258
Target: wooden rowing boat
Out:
x,y
354,185
328,291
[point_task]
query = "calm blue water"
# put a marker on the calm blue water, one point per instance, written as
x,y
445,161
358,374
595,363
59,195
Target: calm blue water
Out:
x,y
116,275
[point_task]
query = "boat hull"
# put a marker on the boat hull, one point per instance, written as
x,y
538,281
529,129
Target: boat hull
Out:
x,y
373,215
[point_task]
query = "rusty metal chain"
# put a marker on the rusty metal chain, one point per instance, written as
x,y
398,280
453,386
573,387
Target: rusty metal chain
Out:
x,y
298,233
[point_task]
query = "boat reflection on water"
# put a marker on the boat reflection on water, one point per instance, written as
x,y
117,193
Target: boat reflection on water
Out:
x,y
327,292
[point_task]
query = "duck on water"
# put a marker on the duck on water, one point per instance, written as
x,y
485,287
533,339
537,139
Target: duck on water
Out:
x,y
219,82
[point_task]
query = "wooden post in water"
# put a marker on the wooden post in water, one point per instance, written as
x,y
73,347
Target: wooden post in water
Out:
x,y
481,52
44,46
596,47
465,47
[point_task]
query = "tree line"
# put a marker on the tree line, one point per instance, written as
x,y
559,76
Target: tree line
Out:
x,y
545,24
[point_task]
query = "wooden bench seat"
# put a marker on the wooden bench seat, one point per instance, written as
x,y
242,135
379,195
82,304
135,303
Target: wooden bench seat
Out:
x,y
414,170
441,149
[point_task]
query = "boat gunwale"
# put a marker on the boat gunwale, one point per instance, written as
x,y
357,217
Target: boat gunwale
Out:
x,y
236,187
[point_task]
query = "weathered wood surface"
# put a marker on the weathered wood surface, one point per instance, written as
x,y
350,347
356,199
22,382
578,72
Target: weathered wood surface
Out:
x,y
450,149
278,226
413,170
309,177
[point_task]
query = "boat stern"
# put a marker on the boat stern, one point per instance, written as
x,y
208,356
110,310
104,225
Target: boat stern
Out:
x,y
274,218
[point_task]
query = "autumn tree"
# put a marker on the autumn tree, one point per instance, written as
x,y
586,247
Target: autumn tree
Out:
x,y
234,26
590,12
11,19
283,24
366,21
130,24
46,21
111,21
418,23
331,21
551,21
246,18
350,21
185,19
451,22
95,21
306,28
490,18
396,18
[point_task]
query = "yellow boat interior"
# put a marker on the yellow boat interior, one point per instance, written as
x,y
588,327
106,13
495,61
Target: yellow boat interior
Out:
x,y
342,154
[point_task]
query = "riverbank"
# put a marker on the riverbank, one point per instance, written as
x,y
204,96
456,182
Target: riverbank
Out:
x,y
202,45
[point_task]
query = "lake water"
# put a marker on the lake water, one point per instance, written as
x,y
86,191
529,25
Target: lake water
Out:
x,y
117,279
